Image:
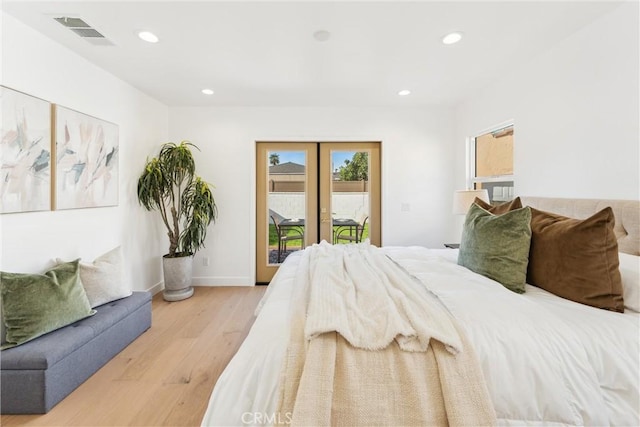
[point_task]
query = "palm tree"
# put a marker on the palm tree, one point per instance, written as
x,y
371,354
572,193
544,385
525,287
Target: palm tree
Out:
x,y
274,159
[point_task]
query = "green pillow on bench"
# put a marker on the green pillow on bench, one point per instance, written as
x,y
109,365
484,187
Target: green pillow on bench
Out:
x,y
34,304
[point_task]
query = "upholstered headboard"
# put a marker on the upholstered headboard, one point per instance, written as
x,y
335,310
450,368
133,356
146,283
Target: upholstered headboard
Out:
x,y
627,214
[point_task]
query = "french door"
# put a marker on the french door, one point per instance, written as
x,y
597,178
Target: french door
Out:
x,y
313,191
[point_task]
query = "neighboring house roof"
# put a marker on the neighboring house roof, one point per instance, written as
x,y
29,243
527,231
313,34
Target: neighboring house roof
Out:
x,y
288,168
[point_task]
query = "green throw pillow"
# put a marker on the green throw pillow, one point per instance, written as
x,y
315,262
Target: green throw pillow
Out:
x,y
497,246
34,304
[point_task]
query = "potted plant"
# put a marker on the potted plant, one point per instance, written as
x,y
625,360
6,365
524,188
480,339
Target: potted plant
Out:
x,y
169,185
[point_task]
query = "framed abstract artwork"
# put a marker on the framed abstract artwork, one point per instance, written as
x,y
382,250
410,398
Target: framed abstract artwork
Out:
x,y
25,152
86,160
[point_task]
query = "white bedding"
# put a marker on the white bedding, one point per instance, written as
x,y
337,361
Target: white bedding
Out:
x,y
546,360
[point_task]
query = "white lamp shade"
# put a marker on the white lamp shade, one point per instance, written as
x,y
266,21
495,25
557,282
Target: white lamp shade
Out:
x,y
462,200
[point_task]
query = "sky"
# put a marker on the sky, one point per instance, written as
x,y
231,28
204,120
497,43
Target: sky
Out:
x,y
298,157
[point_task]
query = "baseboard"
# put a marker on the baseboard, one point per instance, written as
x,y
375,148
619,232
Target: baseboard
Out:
x,y
158,287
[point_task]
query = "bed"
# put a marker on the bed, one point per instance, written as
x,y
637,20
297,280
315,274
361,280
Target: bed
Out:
x,y
543,359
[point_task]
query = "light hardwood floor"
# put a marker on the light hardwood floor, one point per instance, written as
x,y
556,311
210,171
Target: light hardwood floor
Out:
x,y
165,377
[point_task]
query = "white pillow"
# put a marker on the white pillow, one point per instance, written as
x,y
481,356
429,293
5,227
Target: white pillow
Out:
x,y
103,280
630,272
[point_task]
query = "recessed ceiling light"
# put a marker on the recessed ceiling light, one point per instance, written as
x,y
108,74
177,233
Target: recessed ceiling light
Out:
x,y
322,35
148,36
207,91
452,38
404,92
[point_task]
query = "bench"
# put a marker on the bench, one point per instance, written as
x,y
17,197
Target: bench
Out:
x,y
35,376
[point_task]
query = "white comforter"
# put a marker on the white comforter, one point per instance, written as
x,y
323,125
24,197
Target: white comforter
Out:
x,y
546,360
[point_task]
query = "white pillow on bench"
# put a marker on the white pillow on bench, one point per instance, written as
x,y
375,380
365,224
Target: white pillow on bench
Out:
x,y
103,279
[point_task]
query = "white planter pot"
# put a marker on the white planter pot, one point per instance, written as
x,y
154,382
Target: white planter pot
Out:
x,y
177,277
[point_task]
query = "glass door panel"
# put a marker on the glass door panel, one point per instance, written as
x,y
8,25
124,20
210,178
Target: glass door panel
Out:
x,y
286,201
350,208
350,196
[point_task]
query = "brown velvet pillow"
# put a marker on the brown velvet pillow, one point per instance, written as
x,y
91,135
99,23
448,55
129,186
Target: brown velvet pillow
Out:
x,y
501,208
576,259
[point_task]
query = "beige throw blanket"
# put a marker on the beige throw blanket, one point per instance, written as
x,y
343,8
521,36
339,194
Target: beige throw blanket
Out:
x,y
370,345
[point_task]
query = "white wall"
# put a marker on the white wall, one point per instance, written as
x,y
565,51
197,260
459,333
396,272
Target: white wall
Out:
x,y
417,155
40,67
576,114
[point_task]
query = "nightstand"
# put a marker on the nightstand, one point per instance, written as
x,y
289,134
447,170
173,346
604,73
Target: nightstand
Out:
x,y
452,245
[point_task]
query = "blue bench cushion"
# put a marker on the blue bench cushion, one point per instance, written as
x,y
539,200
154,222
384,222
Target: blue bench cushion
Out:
x,y
49,349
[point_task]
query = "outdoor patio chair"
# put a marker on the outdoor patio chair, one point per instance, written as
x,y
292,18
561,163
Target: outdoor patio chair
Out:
x,y
349,235
287,233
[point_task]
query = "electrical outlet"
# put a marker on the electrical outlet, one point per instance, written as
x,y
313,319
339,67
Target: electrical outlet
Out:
x,y
205,261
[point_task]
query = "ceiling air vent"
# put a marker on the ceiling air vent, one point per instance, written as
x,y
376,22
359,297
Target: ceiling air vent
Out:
x,y
84,30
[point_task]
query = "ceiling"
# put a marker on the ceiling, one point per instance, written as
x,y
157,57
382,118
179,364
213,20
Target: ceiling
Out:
x,y
264,54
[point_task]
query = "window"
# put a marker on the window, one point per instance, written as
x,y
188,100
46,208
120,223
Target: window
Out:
x,y
491,163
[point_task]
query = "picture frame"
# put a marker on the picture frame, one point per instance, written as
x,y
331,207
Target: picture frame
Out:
x,y
25,152
86,160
